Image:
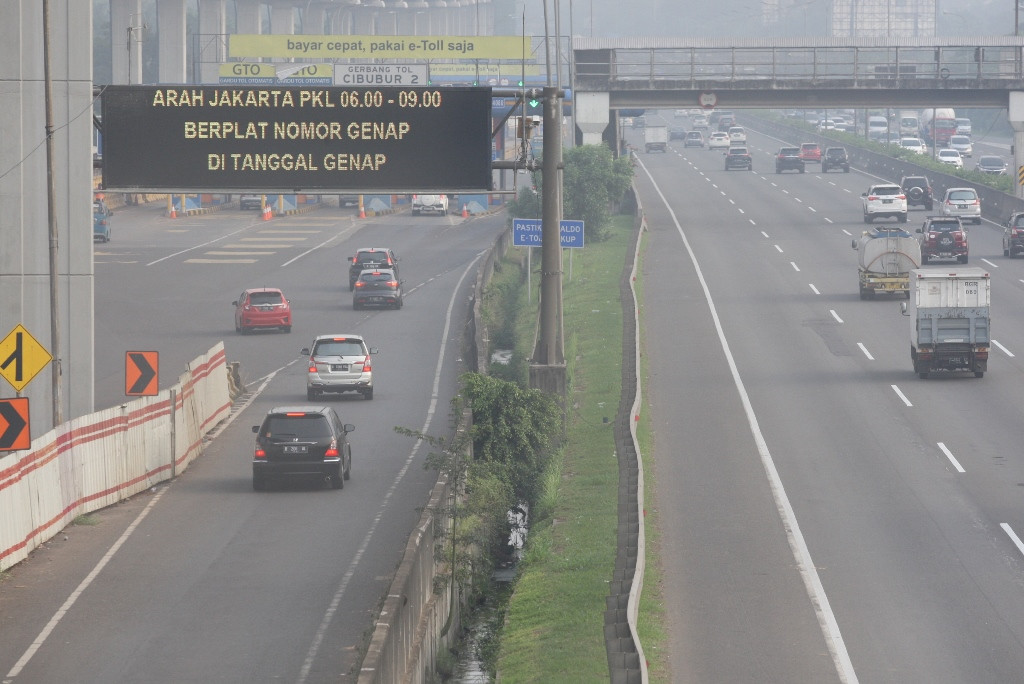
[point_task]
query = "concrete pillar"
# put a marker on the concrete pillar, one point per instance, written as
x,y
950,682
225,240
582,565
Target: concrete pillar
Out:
x,y
125,14
1015,113
313,17
212,39
170,32
438,25
364,20
592,115
282,18
247,16
24,238
418,19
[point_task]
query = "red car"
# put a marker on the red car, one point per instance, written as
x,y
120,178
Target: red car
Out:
x,y
810,152
262,307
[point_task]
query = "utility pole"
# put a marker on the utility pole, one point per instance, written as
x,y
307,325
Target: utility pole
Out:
x,y
550,342
51,212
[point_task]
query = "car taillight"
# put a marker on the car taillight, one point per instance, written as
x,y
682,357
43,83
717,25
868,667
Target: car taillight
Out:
x,y
872,198
392,283
332,451
366,365
259,453
312,366
360,283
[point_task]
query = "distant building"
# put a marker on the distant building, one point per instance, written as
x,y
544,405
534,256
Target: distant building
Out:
x,y
880,18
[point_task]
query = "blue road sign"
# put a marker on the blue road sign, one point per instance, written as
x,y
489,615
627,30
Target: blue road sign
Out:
x,y
527,233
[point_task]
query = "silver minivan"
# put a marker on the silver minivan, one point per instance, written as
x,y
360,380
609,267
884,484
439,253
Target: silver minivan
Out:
x,y
963,203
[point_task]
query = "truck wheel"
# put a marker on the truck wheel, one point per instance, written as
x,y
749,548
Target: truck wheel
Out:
x,y
863,294
867,219
923,375
802,169
924,259
902,218
979,374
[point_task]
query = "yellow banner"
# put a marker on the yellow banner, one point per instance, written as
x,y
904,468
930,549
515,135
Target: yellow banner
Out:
x,y
378,47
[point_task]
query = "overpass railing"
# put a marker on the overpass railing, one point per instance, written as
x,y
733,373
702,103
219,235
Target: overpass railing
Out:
x,y
872,66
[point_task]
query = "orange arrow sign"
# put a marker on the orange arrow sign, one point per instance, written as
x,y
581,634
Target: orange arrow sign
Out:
x,y
14,428
141,373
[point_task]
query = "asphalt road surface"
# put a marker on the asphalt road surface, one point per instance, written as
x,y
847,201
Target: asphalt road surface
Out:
x,y
827,516
203,579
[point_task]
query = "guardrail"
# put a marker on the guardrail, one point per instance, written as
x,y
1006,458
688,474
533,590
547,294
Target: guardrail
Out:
x,y
994,63
96,460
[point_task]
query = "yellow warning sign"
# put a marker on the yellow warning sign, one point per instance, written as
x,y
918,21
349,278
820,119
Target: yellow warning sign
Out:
x,y
21,357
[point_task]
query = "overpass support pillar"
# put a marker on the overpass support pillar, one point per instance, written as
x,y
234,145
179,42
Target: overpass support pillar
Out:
x,y
171,22
1015,113
592,115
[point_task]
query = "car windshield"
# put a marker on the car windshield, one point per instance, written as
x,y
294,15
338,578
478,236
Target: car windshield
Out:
x,y
338,348
990,161
304,426
949,153
944,226
886,190
963,195
789,150
258,298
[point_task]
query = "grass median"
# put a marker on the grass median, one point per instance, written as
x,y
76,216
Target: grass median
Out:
x,y
554,622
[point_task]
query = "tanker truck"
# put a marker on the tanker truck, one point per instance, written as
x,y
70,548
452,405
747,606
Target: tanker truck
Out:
x,y
949,320
885,258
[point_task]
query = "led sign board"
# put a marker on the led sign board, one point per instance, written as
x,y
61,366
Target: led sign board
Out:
x,y
296,139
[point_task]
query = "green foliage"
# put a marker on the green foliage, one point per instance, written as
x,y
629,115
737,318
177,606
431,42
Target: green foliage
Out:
x,y
513,429
527,204
594,183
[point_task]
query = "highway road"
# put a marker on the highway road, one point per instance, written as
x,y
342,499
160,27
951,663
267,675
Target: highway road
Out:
x,y
826,515
203,579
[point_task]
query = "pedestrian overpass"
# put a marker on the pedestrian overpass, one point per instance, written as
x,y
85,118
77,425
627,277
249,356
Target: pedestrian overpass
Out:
x,y
609,75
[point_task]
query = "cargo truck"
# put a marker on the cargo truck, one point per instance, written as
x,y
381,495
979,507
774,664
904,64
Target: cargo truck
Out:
x,y
910,124
656,138
885,258
949,320
938,125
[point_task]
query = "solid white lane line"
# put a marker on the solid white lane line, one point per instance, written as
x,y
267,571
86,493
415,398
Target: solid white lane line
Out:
x,y
1013,537
866,352
901,395
798,545
1003,349
993,265
952,459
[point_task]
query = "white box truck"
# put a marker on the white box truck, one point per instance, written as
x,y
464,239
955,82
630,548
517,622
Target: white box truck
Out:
x,y
656,138
949,320
910,124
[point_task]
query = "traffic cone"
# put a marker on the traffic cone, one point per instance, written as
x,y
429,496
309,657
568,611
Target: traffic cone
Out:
x,y
362,212
465,211
174,212
266,212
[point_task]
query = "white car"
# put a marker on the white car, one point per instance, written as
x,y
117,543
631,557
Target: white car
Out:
x,y
718,141
884,200
826,125
737,135
429,204
962,202
962,144
951,157
914,145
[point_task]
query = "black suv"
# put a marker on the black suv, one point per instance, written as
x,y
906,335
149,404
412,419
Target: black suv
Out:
x,y
918,191
302,441
835,158
943,237
370,258
379,287
788,159
1013,235
738,158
